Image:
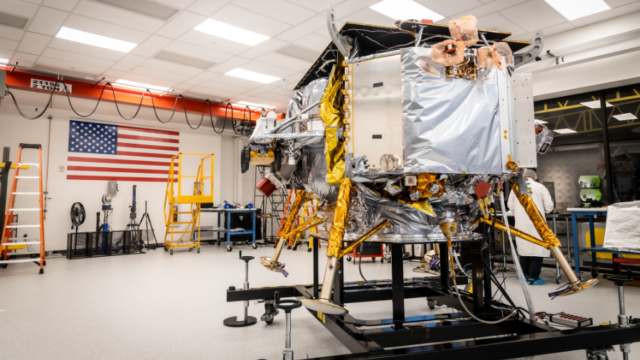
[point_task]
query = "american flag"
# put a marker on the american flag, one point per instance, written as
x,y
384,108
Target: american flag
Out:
x,y
120,153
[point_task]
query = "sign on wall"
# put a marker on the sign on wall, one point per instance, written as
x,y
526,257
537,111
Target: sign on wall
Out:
x,y
49,85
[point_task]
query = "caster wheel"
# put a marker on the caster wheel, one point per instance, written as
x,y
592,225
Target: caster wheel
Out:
x,y
255,246
198,250
382,260
309,250
558,281
41,271
165,249
288,247
269,322
171,252
432,304
348,258
218,243
229,248
373,259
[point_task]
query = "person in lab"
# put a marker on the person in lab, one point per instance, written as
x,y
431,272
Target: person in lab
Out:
x,y
531,255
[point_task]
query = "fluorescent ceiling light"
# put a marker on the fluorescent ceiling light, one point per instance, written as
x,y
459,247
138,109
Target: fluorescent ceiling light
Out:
x,y
95,40
594,104
250,104
540,121
251,75
626,116
405,9
141,85
565,131
4,61
575,9
230,32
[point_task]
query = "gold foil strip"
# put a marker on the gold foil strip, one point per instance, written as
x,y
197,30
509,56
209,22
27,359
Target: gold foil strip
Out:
x,y
340,217
255,153
368,234
332,114
310,223
538,221
293,212
521,234
422,205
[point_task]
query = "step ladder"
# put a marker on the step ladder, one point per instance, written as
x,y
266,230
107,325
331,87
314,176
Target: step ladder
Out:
x,y
189,236
10,241
308,211
287,206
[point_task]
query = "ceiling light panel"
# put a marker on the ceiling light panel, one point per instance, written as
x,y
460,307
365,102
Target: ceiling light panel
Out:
x,y
405,9
4,61
95,40
140,85
594,104
540,122
299,53
575,9
144,7
565,131
184,60
252,76
626,116
13,21
230,32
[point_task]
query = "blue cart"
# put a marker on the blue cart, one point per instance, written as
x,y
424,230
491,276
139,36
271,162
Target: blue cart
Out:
x,y
227,228
591,214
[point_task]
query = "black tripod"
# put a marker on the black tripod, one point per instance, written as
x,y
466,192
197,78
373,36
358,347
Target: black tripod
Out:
x,y
147,223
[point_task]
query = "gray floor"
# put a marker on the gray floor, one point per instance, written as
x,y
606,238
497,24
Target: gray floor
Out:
x,y
157,306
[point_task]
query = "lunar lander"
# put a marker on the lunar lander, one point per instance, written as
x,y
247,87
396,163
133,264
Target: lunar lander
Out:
x,y
410,134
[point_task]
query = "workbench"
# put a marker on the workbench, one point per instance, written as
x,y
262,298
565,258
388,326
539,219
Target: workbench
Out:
x,y
227,228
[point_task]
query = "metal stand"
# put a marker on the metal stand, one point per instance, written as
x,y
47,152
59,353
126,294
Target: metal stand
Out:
x,y
287,306
147,223
623,319
248,320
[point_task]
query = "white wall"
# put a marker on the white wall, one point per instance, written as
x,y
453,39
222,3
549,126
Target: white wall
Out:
x,y
63,193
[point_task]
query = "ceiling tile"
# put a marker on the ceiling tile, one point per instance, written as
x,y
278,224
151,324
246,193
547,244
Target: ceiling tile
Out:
x,y
84,49
211,93
316,5
345,8
229,65
207,7
263,48
275,95
220,83
616,3
11,33
33,43
533,15
34,1
6,54
167,66
260,90
151,46
277,9
246,19
118,16
450,7
151,80
180,24
285,61
77,58
498,22
24,59
609,14
315,23
66,5
213,42
128,63
201,78
180,4
105,29
113,75
486,1
180,88
66,66
163,75
197,52
488,8
17,7
313,42
48,21
268,69
557,29
368,16
324,31
239,85
8,44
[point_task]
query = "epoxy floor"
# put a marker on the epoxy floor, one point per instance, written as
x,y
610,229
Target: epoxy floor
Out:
x,y
157,306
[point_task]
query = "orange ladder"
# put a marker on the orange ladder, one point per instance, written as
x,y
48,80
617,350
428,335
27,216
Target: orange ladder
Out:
x,y
284,215
9,243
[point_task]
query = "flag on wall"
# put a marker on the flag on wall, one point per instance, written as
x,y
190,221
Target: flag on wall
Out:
x,y
120,153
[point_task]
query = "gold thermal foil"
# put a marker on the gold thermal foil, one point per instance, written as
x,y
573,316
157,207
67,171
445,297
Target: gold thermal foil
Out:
x,y
340,217
332,114
538,221
310,223
422,205
293,212
521,234
424,183
368,234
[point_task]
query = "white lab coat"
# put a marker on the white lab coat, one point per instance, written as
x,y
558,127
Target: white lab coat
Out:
x,y
542,199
